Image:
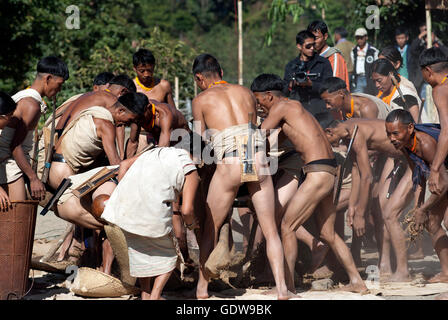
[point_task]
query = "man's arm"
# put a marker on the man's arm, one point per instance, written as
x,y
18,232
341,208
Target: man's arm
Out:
x,y
354,194
188,195
106,132
119,131
132,145
165,122
435,182
366,178
274,118
26,116
199,125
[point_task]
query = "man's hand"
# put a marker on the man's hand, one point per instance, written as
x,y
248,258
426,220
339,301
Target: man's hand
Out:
x,y
421,35
37,189
436,182
359,225
5,203
307,83
350,215
420,217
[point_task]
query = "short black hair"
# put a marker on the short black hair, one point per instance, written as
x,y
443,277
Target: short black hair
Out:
x,y
207,65
7,104
341,31
124,81
325,118
401,30
53,65
303,35
143,56
135,102
103,78
332,84
392,54
318,25
332,124
401,115
385,67
435,58
268,82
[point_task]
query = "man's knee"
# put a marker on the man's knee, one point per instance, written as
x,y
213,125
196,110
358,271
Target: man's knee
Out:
x,y
327,235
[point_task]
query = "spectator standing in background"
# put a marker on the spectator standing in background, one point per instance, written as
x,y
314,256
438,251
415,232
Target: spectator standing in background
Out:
x,y
363,56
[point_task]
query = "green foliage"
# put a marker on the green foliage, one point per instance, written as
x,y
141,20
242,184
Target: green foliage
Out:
x,y
281,9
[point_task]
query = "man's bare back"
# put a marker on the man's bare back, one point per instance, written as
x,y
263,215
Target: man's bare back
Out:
x,y
373,132
90,99
225,105
301,128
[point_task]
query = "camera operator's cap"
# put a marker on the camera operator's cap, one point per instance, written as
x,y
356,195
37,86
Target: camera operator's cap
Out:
x,y
360,32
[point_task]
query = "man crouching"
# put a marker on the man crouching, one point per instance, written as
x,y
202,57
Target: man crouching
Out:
x,y
315,193
141,205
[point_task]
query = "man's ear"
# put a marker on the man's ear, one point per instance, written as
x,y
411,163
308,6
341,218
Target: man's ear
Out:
x,y
299,46
222,73
326,36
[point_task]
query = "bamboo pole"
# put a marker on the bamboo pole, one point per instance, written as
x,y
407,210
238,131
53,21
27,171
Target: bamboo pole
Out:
x,y
432,114
240,42
176,91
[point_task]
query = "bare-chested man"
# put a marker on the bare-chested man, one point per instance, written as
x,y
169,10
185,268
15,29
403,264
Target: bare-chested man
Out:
x,y
315,193
352,105
418,142
90,133
160,96
100,83
225,108
16,139
372,138
116,87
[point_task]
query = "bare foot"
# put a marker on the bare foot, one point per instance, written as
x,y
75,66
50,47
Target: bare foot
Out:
x,y
398,277
440,277
356,288
442,296
319,253
289,295
322,273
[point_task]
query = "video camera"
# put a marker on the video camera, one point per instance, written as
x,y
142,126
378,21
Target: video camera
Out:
x,y
301,75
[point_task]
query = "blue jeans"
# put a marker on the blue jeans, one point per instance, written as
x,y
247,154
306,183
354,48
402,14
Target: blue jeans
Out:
x,y
361,84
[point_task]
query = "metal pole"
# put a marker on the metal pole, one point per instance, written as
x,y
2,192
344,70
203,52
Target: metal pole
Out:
x,y
240,42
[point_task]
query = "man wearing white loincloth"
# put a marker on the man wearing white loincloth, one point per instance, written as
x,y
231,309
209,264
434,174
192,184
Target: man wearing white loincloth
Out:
x,y
141,205
16,139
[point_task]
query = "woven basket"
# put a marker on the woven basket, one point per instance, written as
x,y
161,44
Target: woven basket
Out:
x,y
16,246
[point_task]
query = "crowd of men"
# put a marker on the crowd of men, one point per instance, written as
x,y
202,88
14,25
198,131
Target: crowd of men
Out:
x,y
335,105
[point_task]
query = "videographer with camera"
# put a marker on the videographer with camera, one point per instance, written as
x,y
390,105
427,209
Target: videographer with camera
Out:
x,y
306,73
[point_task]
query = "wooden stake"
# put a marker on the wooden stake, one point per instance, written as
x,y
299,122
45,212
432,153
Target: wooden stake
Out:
x,y
176,92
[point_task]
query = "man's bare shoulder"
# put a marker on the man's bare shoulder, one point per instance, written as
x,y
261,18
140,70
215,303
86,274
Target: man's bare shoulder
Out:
x,y
28,104
440,92
164,84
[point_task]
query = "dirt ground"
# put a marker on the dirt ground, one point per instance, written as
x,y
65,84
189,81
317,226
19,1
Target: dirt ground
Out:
x,y
53,285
